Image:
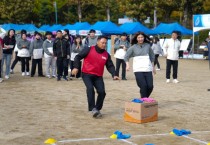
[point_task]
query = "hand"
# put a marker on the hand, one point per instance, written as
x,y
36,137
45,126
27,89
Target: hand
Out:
x,y
68,56
127,67
55,58
116,78
154,71
74,71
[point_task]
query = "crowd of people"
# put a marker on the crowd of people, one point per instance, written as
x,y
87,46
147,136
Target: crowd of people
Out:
x,y
66,53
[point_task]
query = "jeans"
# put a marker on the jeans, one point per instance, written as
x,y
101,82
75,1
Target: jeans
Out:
x,y
145,82
7,59
118,63
50,62
92,81
170,63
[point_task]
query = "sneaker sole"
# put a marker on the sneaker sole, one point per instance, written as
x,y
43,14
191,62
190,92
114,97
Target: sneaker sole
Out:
x,y
96,114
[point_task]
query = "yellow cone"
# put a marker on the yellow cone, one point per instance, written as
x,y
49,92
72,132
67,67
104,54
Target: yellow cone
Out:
x,y
50,141
113,136
171,133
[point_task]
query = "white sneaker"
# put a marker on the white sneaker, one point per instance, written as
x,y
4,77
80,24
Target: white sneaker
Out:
x,y
158,69
48,76
168,81
6,77
11,71
27,73
1,80
23,73
175,81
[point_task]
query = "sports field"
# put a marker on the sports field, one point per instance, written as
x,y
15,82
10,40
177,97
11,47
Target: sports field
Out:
x,y
35,109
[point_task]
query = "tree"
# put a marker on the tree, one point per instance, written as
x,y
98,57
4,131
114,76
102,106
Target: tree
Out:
x,y
15,11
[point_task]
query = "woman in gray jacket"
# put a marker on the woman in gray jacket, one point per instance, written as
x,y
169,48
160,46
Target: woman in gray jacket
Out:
x,y
143,57
157,51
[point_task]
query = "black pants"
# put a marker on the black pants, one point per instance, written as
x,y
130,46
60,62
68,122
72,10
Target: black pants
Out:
x,y
156,61
33,67
170,63
92,81
61,66
145,82
79,70
66,68
25,64
0,68
118,63
17,58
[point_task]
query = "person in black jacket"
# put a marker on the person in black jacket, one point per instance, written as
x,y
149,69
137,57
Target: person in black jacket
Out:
x,y
61,52
8,47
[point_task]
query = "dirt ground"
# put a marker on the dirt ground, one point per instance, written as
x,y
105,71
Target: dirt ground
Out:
x,y
35,109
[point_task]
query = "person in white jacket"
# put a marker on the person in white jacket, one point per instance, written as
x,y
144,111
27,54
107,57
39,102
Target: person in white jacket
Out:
x,y
172,47
50,61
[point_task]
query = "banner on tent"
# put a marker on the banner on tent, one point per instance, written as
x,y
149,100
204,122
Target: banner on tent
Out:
x,y
201,22
85,32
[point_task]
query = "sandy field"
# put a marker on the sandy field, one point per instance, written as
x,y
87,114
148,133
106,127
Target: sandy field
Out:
x,y
35,109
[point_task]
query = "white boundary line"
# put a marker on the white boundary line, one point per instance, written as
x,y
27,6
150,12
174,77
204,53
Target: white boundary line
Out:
x,y
197,140
135,136
129,142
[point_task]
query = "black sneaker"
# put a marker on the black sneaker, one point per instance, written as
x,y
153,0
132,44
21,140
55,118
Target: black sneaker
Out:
x,y
58,78
124,79
65,78
96,113
41,76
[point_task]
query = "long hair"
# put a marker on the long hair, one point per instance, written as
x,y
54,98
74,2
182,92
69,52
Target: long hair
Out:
x,y
146,38
156,40
75,42
9,32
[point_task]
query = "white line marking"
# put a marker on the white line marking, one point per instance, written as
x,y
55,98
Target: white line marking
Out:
x,y
135,136
197,140
83,139
129,142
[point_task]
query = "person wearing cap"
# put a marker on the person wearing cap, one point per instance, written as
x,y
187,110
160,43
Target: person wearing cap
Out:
x,y
17,58
95,58
24,54
50,61
8,47
36,51
120,48
61,52
172,47
91,40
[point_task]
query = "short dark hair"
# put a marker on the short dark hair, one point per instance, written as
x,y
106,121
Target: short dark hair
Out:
x,y
92,31
59,31
176,32
123,34
101,37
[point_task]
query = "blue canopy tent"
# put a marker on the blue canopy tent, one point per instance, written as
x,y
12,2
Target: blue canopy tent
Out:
x,y
164,28
106,27
16,27
80,26
44,27
68,26
132,28
55,27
